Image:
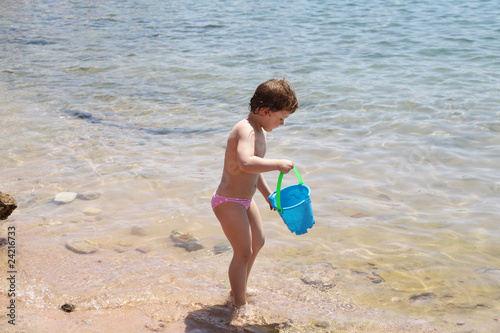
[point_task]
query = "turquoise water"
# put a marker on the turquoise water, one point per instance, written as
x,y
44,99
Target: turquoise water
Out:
x,y
397,135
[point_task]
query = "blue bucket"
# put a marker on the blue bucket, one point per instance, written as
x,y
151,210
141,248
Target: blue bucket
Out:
x,y
293,203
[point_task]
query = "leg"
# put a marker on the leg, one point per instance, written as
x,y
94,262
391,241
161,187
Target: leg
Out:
x,y
236,226
257,233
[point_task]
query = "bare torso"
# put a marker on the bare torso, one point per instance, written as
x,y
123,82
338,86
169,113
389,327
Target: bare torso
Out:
x,y
235,182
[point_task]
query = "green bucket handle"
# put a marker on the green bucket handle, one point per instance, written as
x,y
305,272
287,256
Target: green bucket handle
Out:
x,y
278,188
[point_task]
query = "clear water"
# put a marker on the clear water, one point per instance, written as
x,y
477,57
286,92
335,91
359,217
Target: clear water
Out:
x,y
397,135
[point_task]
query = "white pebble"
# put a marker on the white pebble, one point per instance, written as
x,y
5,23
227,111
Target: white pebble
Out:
x,y
65,197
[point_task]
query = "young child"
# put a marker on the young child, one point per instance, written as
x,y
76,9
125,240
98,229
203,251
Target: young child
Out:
x,y
244,163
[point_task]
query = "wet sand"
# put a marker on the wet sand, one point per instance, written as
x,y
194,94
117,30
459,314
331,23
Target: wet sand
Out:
x,y
128,319
167,289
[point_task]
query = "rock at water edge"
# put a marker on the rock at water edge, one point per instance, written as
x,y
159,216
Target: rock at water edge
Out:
x,y
7,205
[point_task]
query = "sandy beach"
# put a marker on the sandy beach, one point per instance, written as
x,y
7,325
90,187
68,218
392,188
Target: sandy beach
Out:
x,y
182,292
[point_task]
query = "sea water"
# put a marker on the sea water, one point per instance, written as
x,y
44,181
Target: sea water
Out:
x,y
397,135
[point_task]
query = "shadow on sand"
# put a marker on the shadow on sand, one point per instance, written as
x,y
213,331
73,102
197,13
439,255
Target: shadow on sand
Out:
x,y
217,319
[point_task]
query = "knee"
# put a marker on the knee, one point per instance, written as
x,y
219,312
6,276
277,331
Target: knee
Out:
x,y
259,244
262,242
244,255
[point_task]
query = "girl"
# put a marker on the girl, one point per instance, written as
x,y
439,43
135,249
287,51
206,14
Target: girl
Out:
x,y
244,163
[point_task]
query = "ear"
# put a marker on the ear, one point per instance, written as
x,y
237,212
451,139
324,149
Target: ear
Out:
x,y
264,111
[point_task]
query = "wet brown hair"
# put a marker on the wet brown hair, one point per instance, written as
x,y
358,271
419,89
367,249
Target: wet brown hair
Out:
x,y
275,94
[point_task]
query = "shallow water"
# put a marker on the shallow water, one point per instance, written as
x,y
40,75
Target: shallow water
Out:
x,y
397,136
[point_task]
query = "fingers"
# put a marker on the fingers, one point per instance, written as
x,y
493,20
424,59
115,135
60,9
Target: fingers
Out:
x,y
270,205
285,166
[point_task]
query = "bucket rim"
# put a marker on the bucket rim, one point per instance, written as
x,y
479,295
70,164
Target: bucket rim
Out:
x,y
302,201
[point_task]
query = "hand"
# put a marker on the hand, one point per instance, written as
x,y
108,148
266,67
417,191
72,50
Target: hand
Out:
x,y
285,166
270,206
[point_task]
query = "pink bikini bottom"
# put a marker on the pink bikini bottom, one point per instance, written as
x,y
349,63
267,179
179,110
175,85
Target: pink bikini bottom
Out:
x,y
219,199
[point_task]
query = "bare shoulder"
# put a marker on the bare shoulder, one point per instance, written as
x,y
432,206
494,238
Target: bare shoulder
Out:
x,y
242,129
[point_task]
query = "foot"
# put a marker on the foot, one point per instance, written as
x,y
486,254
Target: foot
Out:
x,y
242,315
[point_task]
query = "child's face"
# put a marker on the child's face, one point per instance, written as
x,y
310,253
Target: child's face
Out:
x,y
274,120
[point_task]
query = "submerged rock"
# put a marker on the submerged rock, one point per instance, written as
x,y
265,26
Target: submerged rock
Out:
x,y
82,246
490,273
372,276
91,211
222,247
384,197
321,275
422,299
143,249
138,231
318,280
88,196
191,246
7,205
65,197
322,324
185,240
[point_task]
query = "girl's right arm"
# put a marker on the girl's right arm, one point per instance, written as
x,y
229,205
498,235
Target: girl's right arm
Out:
x,y
250,163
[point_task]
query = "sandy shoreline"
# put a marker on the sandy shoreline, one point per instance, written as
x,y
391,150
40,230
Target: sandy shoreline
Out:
x,y
130,319
201,318
168,291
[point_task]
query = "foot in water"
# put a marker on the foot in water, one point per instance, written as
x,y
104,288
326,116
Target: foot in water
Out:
x,y
250,292
242,315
